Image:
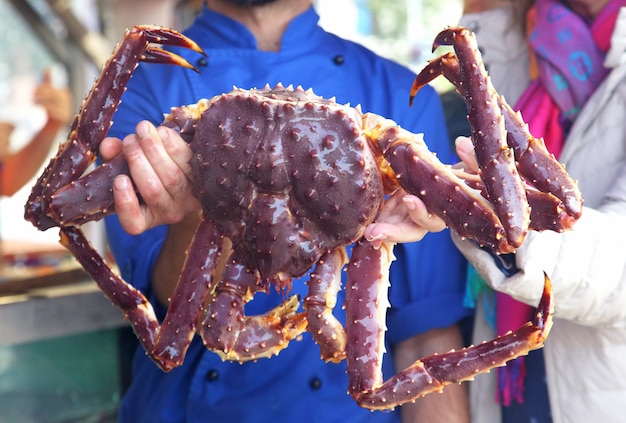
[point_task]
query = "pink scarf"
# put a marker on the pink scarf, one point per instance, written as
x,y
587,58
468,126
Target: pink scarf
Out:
x,y
569,53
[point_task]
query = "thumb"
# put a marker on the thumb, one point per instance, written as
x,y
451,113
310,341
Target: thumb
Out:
x,y
47,76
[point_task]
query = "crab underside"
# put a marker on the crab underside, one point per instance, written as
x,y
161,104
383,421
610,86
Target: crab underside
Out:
x,y
289,179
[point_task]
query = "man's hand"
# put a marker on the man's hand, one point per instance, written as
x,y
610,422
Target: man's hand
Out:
x,y
160,190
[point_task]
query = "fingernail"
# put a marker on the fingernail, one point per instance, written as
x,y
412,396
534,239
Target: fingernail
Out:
x,y
163,133
379,237
120,184
464,145
408,203
143,129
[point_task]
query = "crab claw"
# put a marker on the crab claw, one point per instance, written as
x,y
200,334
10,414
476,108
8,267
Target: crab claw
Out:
x,y
166,36
503,185
534,162
516,169
86,201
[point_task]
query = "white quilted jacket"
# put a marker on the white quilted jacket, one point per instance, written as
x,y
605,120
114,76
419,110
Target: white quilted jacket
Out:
x,y
585,353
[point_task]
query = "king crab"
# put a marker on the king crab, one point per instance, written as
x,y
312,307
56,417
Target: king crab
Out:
x,y
289,179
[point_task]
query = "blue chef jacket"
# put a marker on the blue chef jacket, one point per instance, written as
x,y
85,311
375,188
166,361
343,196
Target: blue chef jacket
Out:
x,y
427,278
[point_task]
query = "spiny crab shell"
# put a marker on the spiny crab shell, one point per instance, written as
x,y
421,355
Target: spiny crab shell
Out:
x,y
287,175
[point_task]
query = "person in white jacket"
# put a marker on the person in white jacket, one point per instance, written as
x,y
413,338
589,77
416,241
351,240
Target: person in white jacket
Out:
x,y
585,353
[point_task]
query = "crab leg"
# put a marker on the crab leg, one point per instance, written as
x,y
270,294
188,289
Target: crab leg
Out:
x,y
547,212
94,119
324,285
539,166
186,301
446,195
163,343
534,162
89,198
231,334
504,187
433,373
136,308
366,306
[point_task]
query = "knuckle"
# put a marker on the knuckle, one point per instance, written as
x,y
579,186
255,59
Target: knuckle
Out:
x,y
173,181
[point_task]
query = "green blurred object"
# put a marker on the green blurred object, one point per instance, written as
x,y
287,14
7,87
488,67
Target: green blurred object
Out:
x,y
68,379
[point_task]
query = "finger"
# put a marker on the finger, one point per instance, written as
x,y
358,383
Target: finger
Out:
x,y
41,96
46,78
420,215
129,211
177,149
169,159
162,185
407,231
394,209
146,180
110,147
403,219
465,151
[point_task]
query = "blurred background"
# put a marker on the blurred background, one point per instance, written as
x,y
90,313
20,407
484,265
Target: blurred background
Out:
x,y
59,338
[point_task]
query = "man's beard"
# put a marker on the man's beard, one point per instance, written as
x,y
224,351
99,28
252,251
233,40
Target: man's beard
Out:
x,y
248,3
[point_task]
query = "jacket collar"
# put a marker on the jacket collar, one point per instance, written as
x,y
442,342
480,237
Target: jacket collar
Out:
x,y
616,53
220,31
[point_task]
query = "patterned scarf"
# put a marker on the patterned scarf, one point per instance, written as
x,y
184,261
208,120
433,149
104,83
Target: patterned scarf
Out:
x,y
567,61
567,55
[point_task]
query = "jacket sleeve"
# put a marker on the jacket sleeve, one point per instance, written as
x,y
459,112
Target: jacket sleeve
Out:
x,y
586,265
